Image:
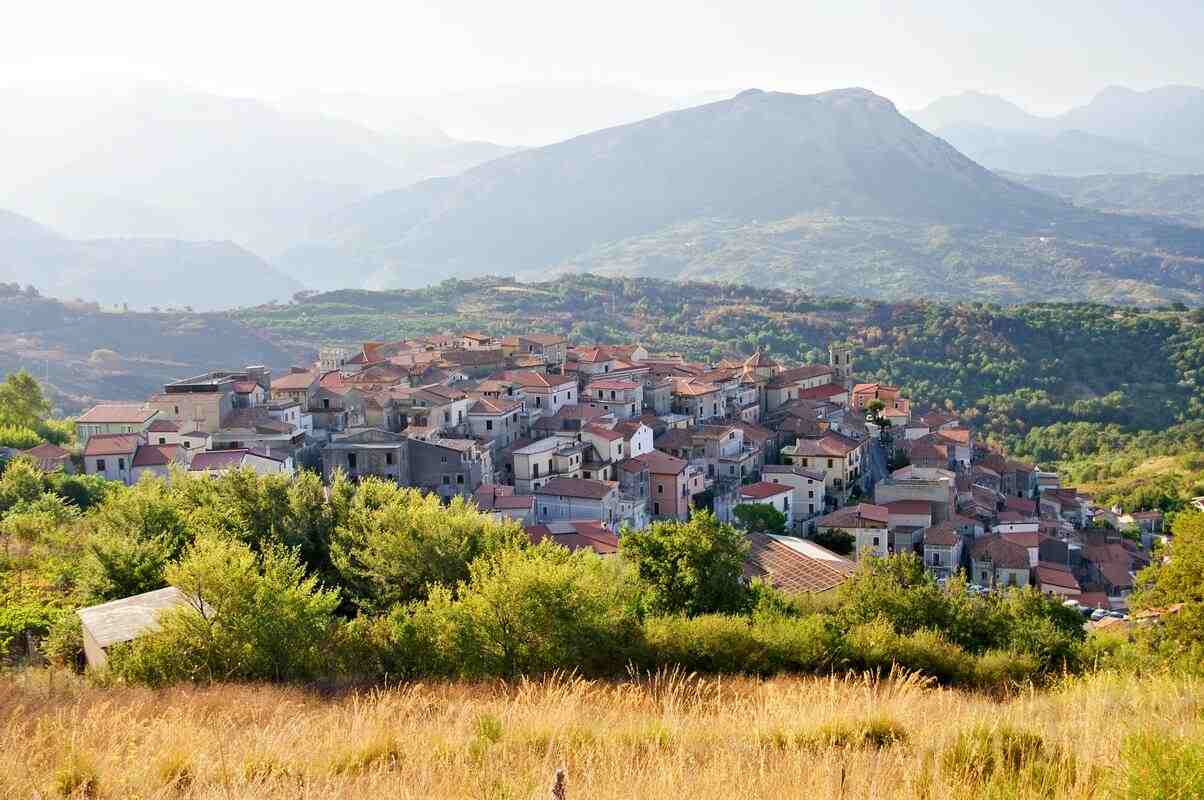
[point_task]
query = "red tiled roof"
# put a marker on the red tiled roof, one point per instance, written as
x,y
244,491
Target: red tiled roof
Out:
x,y
491,407
862,515
112,444
294,381
47,452
536,380
789,570
155,455
762,490
1056,575
661,463
942,535
1001,552
821,392
117,414
577,487
576,536
163,426
831,444
604,433
617,384
909,507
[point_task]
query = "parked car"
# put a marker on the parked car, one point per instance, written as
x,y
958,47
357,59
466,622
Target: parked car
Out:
x,y
1098,614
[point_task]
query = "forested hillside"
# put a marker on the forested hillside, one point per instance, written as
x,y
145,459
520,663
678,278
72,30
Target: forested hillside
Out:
x,y
1011,369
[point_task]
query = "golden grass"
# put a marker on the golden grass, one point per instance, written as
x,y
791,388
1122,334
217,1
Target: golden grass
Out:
x,y
668,736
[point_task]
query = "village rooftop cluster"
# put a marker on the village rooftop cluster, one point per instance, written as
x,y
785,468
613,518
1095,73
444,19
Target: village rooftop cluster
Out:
x,y
578,442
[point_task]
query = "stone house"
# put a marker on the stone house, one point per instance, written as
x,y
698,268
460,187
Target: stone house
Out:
x,y
578,500
364,452
775,495
866,523
113,418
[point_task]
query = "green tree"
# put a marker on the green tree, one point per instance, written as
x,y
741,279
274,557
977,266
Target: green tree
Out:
x,y
396,542
136,532
248,617
21,401
760,518
692,567
838,541
534,610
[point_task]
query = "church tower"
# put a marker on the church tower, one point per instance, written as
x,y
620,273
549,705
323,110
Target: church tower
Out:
x,y
840,358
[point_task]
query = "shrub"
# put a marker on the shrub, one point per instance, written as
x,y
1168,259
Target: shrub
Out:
x,y
876,647
248,618
1163,766
708,643
1005,756
18,438
64,643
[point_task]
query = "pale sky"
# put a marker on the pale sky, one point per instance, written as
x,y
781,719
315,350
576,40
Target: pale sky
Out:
x,y
1045,55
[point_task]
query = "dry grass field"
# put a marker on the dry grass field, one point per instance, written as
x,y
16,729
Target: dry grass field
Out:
x,y
667,736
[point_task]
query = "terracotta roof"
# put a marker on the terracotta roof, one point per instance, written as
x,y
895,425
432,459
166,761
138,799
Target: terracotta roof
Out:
x,y
831,444
155,455
491,407
676,439
576,536
617,384
1095,600
762,490
690,387
821,392
795,565
536,380
244,387
1001,552
661,463
795,374
493,497
1021,505
759,360
117,414
1055,575
223,459
112,444
955,435
603,433
163,426
909,507
47,452
943,534
294,380
862,515
577,487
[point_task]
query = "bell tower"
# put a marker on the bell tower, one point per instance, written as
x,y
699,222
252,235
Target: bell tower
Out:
x,y
840,358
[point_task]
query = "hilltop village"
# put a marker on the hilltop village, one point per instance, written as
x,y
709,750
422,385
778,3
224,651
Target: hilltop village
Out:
x,y
579,442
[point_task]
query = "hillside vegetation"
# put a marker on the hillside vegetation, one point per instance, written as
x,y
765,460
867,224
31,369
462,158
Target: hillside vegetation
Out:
x,y
664,735
1010,369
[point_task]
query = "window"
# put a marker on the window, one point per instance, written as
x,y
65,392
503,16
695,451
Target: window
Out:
x,y
785,503
121,463
446,480
829,463
811,508
460,479
538,401
660,488
488,424
100,465
389,459
588,474
534,470
351,461
325,403
162,440
875,541
656,509
442,459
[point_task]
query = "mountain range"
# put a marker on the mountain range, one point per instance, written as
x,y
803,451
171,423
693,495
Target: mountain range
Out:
x,y
835,192
187,165
162,197
1119,131
138,272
